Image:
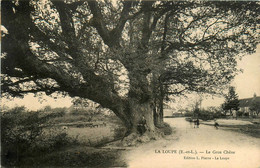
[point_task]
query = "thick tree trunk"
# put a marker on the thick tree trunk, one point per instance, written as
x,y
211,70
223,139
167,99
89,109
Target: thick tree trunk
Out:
x,y
155,113
158,113
134,110
160,107
138,105
138,110
160,121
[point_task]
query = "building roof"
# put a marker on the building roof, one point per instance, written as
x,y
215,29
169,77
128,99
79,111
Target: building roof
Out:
x,y
247,102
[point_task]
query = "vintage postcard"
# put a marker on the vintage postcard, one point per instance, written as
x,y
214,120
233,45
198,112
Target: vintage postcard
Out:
x,y
122,83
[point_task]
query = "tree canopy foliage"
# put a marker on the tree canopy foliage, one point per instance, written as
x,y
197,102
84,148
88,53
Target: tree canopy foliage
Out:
x,y
231,102
119,54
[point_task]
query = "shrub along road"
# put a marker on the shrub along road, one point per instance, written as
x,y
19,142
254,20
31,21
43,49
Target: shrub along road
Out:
x,y
197,147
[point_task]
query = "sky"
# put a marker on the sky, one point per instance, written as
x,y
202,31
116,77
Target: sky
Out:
x,y
246,84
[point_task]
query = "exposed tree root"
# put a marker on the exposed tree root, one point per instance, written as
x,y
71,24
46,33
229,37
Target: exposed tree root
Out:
x,y
135,139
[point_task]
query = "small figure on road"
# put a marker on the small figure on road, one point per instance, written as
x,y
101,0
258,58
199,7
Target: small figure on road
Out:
x,y
216,125
198,122
142,125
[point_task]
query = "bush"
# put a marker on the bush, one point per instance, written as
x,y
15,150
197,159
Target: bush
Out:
x,y
188,114
80,111
68,118
26,133
166,129
240,113
218,114
246,114
119,132
206,115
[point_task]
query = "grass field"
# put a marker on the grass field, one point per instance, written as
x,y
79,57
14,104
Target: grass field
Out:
x,y
59,139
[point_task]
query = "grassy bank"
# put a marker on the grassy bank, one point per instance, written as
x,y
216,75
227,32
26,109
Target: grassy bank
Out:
x,y
245,126
252,130
78,156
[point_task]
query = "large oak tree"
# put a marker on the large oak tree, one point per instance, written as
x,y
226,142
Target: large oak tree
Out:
x,y
125,54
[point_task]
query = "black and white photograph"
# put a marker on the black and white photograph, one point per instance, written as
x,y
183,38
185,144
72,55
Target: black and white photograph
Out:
x,y
130,83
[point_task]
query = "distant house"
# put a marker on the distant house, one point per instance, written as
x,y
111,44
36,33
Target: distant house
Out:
x,y
244,104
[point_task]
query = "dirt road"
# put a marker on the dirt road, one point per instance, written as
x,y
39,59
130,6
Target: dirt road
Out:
x,y
197,147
